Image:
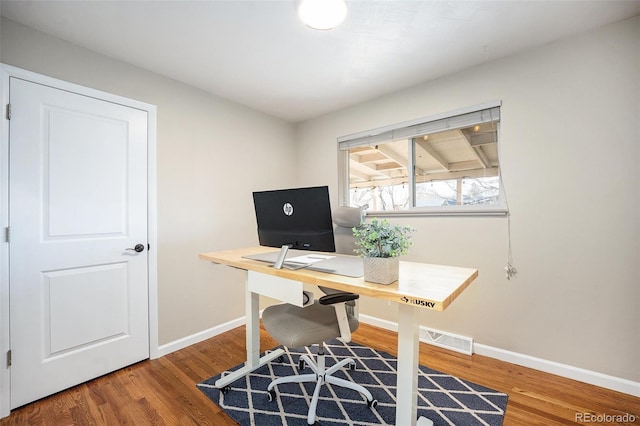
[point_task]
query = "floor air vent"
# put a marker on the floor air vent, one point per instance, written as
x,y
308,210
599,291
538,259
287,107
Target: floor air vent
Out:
x,y
446,340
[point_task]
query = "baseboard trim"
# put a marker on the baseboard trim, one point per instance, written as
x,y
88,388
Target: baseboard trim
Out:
x,y
563,370
199,337
570,372
378,322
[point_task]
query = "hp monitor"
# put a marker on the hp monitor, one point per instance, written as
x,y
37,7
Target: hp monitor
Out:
x,y
299,218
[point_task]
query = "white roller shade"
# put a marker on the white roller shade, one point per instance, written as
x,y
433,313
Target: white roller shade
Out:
x,y
453,120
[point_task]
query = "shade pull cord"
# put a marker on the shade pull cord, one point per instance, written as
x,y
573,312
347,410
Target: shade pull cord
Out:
x,y
510,270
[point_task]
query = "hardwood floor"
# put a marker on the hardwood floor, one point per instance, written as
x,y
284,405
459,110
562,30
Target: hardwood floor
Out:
x,y
163,391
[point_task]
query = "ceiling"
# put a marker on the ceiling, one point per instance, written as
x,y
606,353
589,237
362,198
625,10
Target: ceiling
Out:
x,y
257,53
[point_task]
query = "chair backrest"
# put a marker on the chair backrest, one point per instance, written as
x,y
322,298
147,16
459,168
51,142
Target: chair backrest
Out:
x,y
346,218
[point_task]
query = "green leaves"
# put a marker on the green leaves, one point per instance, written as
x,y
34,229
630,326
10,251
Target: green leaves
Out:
x,y
381,239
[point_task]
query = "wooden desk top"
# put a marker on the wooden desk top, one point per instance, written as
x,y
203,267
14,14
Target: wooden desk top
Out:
x,y
420,284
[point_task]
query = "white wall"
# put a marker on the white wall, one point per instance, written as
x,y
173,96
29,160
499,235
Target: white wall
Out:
x,y
212,154
570,115
570,157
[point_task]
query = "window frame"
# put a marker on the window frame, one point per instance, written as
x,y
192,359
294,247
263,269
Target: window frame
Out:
x,y
386,133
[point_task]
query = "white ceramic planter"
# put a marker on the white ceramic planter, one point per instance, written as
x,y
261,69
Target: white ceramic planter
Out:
x,y
381,270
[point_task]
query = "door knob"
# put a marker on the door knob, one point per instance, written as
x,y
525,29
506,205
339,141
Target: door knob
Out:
x,y
138,248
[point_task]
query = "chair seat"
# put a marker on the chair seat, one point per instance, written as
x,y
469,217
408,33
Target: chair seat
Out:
x,y
296,327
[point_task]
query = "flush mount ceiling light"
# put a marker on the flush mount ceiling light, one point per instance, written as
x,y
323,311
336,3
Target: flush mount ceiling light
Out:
x,y
322,14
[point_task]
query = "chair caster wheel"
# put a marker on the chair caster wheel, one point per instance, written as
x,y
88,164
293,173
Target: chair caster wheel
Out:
x,y
352,367
271,395
225,389
373,403
301,365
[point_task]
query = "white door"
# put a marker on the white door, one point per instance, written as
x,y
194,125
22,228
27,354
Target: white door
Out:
x,y
77,203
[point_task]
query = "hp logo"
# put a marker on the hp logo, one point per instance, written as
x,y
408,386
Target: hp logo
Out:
x,y
287,209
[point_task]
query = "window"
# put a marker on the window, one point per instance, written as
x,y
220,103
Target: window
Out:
x,y
446,164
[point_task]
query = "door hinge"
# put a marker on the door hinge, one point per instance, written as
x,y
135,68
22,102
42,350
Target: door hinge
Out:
x,y
9,358
8,111
7,234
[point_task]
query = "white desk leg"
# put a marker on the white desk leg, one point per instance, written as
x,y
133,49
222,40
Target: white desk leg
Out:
x,y
408,349
252,310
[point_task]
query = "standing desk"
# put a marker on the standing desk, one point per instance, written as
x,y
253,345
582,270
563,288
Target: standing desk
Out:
x,y
420,286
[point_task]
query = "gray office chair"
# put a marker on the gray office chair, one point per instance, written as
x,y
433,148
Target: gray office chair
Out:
x,y
345,219
328,318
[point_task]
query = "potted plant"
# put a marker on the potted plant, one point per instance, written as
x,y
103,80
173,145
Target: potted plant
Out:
x,y
379,244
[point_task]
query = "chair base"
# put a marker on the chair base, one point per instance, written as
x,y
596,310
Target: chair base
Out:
x,y
320,377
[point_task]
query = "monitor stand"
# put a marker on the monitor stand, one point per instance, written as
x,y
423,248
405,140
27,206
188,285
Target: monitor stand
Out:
x,y
281,263
281,256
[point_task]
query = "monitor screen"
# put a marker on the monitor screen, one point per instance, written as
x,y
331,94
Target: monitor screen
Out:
x,y
299,218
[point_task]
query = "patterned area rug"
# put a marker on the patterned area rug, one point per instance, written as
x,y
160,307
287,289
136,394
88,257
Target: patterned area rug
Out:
x,y
444,399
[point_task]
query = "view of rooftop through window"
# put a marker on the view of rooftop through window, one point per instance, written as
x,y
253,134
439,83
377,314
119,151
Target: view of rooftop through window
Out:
x,y
452,167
